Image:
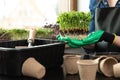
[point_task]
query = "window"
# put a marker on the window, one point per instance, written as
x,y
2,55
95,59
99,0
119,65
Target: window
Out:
x,y
24,13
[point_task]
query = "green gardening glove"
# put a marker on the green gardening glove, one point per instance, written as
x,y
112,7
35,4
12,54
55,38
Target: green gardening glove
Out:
x,y
93,37
77,42
74,43
69,40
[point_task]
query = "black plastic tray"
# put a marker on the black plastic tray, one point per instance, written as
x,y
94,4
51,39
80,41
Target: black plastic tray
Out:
x,y
47,52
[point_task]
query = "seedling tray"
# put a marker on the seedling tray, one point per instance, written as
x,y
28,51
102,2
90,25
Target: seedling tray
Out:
x,y
13,53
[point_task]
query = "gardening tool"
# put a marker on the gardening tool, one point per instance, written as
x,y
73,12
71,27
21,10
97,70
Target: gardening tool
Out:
x,y
31,37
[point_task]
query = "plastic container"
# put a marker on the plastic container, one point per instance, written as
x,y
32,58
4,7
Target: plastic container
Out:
x,y
13,53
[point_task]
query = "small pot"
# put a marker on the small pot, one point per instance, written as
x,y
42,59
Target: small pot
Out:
x,y
32,68
70,64
98,60
106,66
87,69
116,70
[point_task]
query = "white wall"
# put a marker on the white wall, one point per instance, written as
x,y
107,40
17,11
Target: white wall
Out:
x,y
83,5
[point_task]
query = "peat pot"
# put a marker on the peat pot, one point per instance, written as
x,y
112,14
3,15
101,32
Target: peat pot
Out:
x,y
87,69
70,64
116,70
98,60
106,66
